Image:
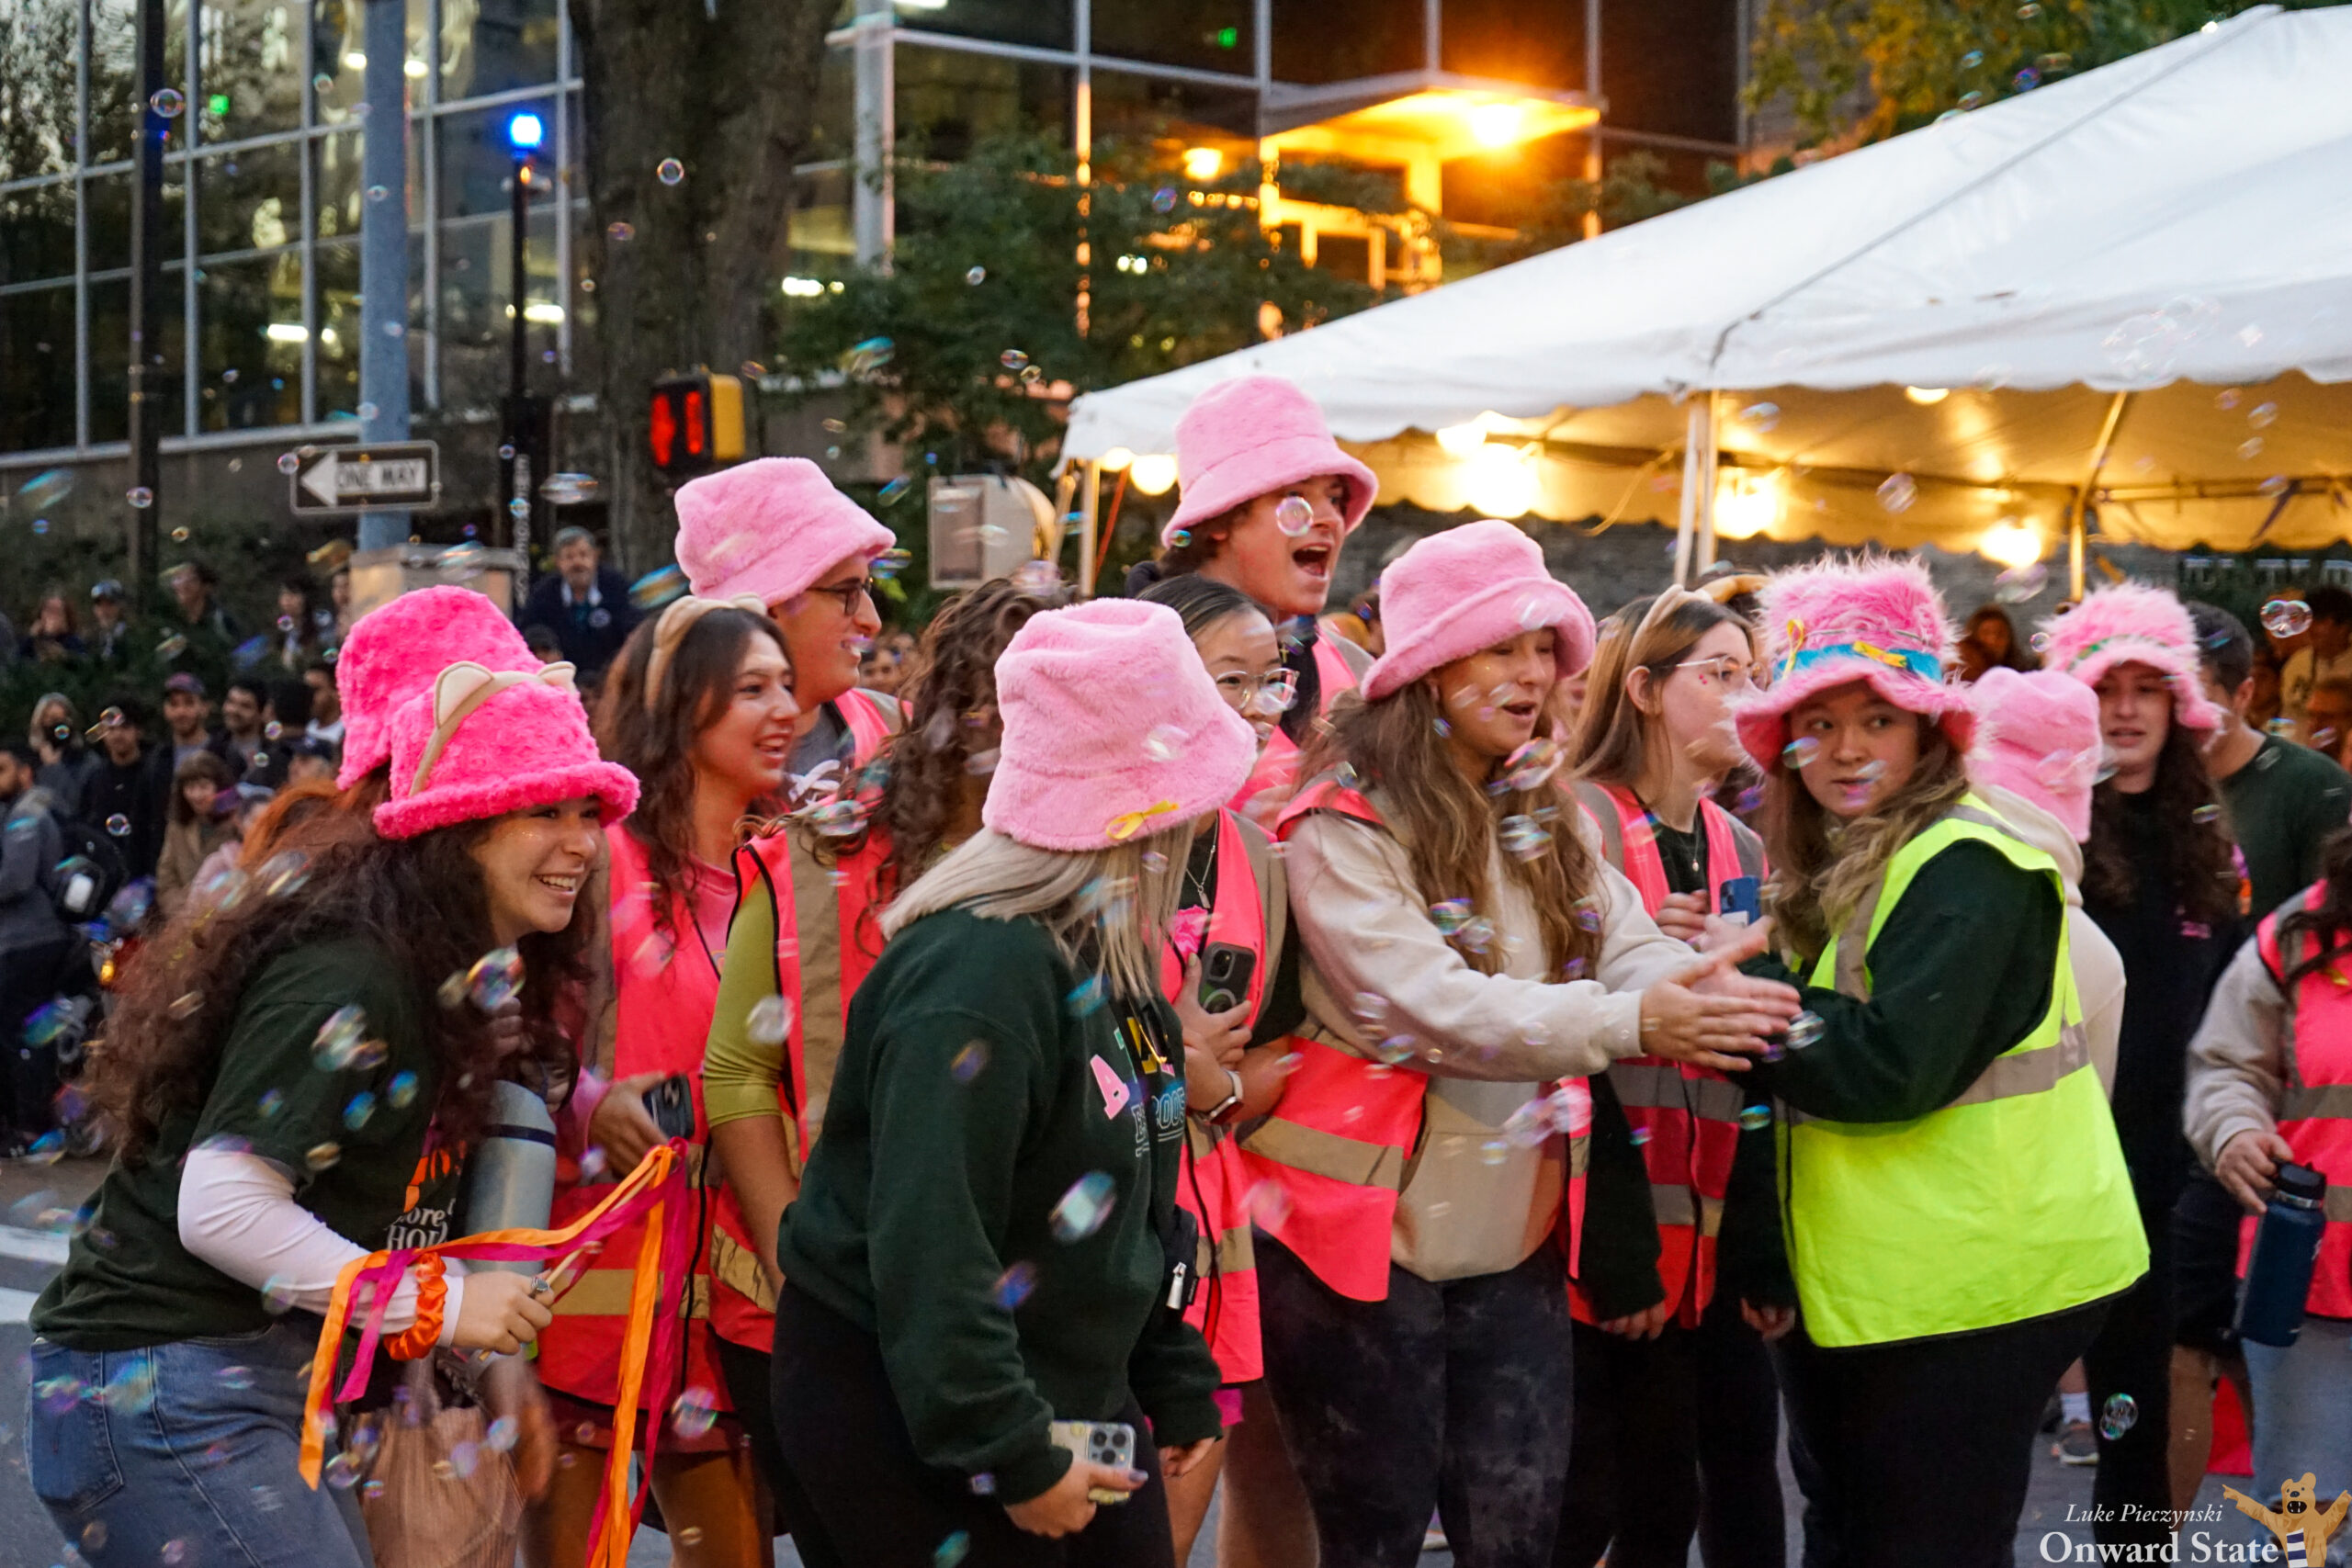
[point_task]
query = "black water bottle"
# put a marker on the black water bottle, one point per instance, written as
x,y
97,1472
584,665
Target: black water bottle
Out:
x,y
2286,1244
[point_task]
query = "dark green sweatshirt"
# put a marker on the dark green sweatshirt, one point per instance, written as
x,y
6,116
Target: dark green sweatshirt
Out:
x,y
974,1093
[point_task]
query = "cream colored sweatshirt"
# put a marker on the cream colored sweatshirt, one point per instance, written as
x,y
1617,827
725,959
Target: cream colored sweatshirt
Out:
x,y
2098,968
1473,1203
2237,1063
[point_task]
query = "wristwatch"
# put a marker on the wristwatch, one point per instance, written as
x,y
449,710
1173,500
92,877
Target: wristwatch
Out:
x,y
1225,1107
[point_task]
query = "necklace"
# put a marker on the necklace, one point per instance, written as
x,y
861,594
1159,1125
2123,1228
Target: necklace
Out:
x,y
1684,848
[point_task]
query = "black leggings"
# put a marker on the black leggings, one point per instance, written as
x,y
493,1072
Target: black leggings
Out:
x,y
747,1376
1452,1396
859,1496
1673,1435
2132,1357
1916,1454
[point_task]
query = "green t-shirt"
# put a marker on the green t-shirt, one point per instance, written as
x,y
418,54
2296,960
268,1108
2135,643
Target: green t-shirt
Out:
x,y
127,1281
974,1103
2284,804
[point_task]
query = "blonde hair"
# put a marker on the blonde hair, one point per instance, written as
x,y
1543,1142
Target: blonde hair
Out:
x,y
1822,868
1613,732
1107,911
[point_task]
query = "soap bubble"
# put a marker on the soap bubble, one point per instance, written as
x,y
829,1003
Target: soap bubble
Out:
x,y
1494,1151
768,1022
1013,359
952,1551
1798,755
496,979
2250,448
620,232
2226,398
139,497
2281,618
2020,584
273,1101
1163,743
1754,1118
49,485
185,1003
1971,60
2030,11
1080,1211
1523,837
569,490
57,1395
94,1536
378,193
1763,416
1085,997
669,171
1449,914
1164,199
1804,1030
168,102
1532,764
339,1039
969,1062
2118,1416
1293,515
1898,492
870,354
322,1156
975,275
2025,80
282,873
1012,1286
501,1435
892,491
361,1106
657,588
1267,1203
2208,812
1588,914
175,1553
694,1413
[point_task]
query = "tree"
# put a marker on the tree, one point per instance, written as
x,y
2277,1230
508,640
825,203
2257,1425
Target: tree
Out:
x,y
954,349
1858,71
685,267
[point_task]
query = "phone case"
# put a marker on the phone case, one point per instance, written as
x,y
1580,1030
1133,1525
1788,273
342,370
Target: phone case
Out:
x,y
1109,1443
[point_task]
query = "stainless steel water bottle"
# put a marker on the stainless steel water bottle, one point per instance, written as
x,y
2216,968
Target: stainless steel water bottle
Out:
x,y
510,1177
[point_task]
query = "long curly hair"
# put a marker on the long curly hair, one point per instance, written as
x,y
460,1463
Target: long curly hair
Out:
x,y
420,900
1823,867
1448,825
950,692
658,744
2199,862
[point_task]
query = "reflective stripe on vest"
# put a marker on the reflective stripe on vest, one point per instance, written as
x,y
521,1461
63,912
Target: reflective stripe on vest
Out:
x,y
1689,1117
1277,765
667,994
2314,1112
1212,1183
2012,1202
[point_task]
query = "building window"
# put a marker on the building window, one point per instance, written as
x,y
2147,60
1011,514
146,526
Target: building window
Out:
x,y
1207,35
1047,24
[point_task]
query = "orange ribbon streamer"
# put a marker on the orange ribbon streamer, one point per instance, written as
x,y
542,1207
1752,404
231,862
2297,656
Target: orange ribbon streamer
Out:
x,y
645,1190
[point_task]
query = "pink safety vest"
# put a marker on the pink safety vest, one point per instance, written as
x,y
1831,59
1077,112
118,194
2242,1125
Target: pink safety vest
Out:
x,y
1342,1139
1277,767
1212,1183
2315,1111
872,718
666,999
1689,1116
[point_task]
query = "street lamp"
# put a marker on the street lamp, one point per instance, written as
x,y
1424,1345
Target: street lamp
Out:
x,y
526,133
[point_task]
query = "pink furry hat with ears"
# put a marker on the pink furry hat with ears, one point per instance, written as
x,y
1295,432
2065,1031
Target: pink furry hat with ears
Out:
x,y
1870,617
479,743
2130,623
394,651
2037,736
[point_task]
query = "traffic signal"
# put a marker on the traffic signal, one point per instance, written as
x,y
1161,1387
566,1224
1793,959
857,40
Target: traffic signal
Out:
x,y
695,422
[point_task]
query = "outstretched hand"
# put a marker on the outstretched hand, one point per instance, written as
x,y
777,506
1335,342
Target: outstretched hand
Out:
x,y
1713,1016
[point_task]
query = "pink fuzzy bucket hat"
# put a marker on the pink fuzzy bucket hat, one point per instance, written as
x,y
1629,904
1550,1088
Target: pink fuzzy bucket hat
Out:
x,y
482,742
2037,736
1113,729
769,528
2130,623
394,651
1469,588
1870,618
1245,438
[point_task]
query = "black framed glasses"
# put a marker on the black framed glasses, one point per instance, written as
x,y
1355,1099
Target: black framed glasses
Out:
x,y
847,594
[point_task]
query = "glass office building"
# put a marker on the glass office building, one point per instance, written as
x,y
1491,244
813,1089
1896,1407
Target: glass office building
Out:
x,y
1457,99
262,204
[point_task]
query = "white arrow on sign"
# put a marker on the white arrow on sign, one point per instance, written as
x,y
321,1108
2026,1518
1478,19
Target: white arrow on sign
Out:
x,y
319,480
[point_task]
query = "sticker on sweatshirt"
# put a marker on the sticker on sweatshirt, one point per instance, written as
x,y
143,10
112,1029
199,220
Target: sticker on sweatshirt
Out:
x,y
1116,1092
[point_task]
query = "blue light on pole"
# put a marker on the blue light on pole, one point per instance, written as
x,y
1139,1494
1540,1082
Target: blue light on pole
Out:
x,y
525,132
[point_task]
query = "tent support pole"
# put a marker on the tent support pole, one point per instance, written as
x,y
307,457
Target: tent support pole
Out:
x,y
2078,514
1707,492
1698,437
1090,500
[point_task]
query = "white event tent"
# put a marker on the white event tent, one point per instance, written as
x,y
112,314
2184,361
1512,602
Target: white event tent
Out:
x,y
2123,298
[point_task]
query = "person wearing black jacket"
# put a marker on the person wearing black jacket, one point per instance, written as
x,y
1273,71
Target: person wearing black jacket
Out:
x,y
2162,879
584,602
120,794
35,944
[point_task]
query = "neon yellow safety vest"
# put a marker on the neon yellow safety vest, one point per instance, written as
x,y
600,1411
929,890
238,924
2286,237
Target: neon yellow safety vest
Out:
x,y
2010,1203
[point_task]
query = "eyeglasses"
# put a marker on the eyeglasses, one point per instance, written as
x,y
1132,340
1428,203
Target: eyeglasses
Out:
x,y
1724,670
1269,696
847,594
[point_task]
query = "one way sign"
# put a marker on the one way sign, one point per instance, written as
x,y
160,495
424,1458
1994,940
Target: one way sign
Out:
x,y
399,475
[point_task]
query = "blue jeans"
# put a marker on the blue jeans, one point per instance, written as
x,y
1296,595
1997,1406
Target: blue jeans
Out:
x,y
209,1461
2303,1411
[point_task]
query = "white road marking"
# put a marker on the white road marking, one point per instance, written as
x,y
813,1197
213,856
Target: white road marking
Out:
x,y
16,1306
32,1246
